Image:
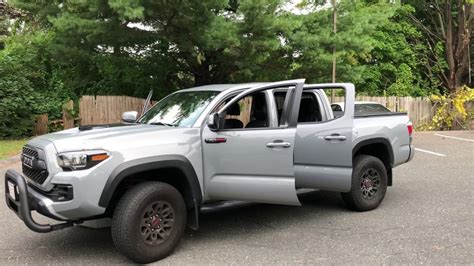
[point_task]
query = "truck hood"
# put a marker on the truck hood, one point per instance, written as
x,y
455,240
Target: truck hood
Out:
x,y
109,138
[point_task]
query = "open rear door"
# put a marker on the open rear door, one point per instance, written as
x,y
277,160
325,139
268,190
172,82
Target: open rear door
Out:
x,y
323,150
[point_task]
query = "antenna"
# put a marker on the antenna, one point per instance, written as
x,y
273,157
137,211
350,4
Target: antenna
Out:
x,y
147,103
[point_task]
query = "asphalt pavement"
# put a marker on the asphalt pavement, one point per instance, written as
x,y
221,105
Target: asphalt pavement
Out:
x,y
427,217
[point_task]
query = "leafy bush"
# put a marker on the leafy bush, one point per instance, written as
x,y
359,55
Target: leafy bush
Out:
x,y
16,99
29,84
451,112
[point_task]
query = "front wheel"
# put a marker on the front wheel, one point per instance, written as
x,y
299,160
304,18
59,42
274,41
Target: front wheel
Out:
x,y
149,221
369,184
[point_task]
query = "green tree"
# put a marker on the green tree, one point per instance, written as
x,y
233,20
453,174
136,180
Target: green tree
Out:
x,y
217,41
396,64
447,27
313,39
7,16
29,83
128,47
131,46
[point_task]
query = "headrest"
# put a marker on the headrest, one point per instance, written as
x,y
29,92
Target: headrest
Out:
x,y
307,105
234,109
260,115
233,123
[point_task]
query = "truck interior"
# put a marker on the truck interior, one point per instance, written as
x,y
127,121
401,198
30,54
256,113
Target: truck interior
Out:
x,y
252,110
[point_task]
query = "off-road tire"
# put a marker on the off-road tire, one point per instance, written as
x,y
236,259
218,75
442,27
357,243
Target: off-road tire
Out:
x,y
366,167
127,228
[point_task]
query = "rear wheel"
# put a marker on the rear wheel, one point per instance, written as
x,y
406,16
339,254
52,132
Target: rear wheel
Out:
x,y
369,184
149,221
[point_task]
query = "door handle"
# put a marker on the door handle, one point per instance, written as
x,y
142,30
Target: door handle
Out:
x,y
335,137
215,140
278,144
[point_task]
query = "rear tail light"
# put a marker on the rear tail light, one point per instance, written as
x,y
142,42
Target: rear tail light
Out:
x,y
410,128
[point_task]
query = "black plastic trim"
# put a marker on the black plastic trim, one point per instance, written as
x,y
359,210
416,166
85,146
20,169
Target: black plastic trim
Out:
x,y
285,114
91,127
58,193
22,207
295,105
379,114
37,171
410,154
147,164
383,141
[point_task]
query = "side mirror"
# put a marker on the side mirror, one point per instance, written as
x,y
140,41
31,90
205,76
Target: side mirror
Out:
x,y
214,122
129,117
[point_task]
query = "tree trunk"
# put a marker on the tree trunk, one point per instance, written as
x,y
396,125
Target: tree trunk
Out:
x,y
202,74
457,40
451,24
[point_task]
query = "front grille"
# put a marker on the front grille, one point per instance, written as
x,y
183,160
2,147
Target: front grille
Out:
x,y
39,176
29,151
34,173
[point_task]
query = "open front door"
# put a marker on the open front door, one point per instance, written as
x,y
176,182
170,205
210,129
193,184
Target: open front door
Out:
x,y
253,160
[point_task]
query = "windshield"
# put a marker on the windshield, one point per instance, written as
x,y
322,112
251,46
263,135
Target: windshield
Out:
x,y
179,109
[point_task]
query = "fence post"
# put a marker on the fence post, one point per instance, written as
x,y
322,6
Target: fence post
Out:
x,y
41,124
68,120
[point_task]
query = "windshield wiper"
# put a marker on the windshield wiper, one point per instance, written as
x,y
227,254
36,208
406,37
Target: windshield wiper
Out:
x,y
162,124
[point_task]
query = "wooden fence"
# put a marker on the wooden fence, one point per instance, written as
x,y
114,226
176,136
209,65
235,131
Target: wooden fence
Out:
x,y
108,109
41,124
96,110
68,119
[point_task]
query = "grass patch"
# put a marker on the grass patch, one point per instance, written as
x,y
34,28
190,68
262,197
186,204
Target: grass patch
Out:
x,y
11,147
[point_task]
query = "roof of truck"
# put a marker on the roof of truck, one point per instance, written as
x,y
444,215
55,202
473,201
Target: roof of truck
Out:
x,y
223,87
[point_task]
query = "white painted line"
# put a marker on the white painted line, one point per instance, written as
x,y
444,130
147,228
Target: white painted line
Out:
x,y
450,137
430,152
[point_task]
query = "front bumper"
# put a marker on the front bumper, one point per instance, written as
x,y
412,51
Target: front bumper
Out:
x,y
22,202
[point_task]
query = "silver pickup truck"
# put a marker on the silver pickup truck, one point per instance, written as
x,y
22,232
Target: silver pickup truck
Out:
x,y
205,147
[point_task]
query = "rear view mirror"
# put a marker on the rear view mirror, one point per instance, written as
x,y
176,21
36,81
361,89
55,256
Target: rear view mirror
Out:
x,y
129,117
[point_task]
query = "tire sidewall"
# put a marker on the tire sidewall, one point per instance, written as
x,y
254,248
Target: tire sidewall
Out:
x,y
143,252
362,163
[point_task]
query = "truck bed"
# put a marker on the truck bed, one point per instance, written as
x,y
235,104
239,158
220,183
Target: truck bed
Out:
x,y
391,126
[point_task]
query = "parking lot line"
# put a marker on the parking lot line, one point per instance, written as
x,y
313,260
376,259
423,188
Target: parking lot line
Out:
x,y
451,137
430,152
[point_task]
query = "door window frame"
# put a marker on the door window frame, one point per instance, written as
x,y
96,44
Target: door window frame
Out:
x,y
234,95
290,107
319,100
319,90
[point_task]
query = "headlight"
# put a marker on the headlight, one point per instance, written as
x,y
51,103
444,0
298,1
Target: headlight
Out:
x,y
81,160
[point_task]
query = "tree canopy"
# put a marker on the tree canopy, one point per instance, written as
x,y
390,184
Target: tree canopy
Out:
x,y
64,49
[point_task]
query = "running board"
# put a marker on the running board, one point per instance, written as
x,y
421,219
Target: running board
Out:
x,y
232,204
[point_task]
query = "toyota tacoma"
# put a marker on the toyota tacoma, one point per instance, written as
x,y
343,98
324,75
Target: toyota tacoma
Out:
x,y
205,147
